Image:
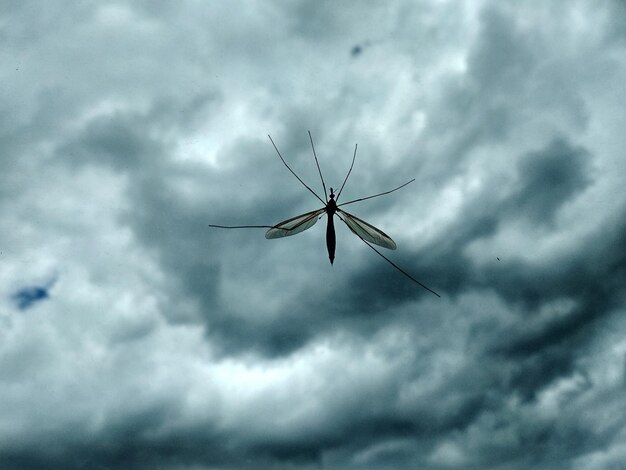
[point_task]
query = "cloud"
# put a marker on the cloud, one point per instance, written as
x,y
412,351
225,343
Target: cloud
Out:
x,y
550,178
127,129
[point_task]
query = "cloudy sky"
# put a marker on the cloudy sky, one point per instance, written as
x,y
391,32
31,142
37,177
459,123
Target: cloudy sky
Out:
x,y
132,335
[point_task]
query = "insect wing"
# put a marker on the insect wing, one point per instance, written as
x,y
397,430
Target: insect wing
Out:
x,y
366,231
294,225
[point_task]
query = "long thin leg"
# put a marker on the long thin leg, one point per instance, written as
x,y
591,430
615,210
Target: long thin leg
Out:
x,y
318,164
293,173
241,226
295,222
393,264
349,171
375,195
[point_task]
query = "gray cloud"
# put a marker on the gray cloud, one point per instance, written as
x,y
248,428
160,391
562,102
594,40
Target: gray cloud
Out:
x,y
126,129
550,178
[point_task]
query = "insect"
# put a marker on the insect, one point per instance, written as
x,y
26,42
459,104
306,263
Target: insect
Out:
x,y
365,231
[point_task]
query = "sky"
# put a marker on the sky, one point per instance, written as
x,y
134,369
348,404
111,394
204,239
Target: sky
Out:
x,y
133,335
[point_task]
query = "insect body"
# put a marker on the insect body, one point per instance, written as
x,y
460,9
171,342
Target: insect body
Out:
x,y
302,222
365,231
331,241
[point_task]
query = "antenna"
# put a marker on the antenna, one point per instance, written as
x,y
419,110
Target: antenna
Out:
x,y
318,164
349,171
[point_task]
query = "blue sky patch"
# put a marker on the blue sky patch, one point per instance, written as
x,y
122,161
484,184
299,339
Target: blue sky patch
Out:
x,y
29,296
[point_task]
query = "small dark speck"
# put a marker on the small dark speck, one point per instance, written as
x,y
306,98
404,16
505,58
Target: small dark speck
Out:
x,y
498,259
356,50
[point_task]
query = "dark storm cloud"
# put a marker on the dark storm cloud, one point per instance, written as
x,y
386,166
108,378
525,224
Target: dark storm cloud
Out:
x,y
174,345
178,229
113,140
546,179
130,142
550,178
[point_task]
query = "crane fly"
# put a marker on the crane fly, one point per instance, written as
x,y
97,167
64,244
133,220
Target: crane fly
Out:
x,y
365,231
